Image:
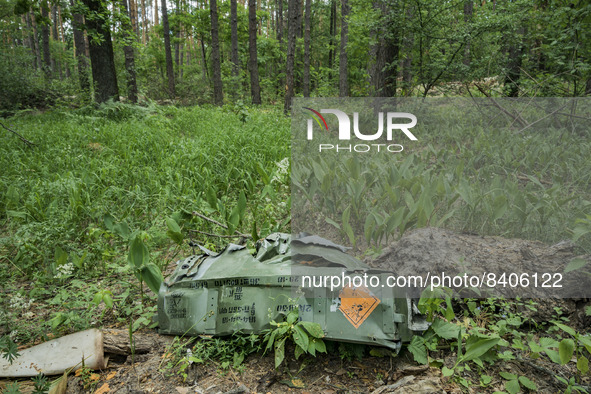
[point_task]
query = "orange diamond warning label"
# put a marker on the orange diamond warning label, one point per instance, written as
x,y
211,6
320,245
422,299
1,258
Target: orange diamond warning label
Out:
x,y
357,303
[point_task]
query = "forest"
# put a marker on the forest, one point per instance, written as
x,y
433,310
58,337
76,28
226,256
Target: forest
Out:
x,y
137,133
194,52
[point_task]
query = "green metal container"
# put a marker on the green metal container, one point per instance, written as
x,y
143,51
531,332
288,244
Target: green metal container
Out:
x,y
234,291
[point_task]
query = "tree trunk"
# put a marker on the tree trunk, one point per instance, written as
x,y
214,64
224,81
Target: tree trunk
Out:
x,y
385,53
156,21
80,45
468,12
279,20
513,69
167,50
204,60
129,55
218,94
343,77
292,18
253,67
234,46
101,54
307,49
408,42
55,64
45,40
34,40
332,33
63,41
144,23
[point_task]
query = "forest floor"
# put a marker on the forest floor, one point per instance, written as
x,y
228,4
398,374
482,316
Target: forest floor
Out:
x,y
155,368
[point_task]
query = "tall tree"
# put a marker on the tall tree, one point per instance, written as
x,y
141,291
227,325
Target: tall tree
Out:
x,y
80,47
102,58
144,23
156,22
332,33
34,39
292,27
128,39
343,72
167,51
306,86
255,89
468,11
45,38
218,94
55,66
234,45
279,20
384,52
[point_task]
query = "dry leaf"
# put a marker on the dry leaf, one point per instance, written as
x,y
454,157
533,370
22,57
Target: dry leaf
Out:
x,y
103,389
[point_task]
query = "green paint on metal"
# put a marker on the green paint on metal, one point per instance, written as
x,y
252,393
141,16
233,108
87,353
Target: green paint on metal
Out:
x,y
220,294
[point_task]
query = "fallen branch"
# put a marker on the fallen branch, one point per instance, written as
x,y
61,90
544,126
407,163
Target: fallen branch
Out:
x,y
202,216
18,135
237,235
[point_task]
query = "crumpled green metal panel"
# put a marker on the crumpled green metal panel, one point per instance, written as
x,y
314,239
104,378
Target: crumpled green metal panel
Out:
x,y
220,294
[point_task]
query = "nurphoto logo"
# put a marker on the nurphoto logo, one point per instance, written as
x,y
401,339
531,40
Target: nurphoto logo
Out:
x,y
344,130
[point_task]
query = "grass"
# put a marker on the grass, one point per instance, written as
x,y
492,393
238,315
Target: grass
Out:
x,y
137,166
467,172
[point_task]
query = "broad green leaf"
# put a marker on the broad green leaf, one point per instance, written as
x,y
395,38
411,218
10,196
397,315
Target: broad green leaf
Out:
x,y
318,344
138,253
109,221
152,276
174,231
445,371
298,352
478,348
234,219
512,386
575,264
499,207
279,352
122,230
528,384
583,365
567,329
333,223
292,317
238,359
212,198
553,355
61,257
548,342
108,300
418,349
566,350
241,205
314,329
444,329
300,337
507,375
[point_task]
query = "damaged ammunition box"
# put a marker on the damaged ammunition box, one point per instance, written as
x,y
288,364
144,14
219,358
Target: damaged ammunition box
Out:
x,y
220,294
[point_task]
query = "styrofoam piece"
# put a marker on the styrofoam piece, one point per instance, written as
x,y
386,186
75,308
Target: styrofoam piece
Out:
x,y
58,355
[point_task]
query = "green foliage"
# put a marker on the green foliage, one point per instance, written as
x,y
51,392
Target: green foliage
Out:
x,y
8,349
225,352
478,188
306,336
489,331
